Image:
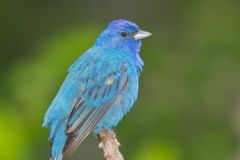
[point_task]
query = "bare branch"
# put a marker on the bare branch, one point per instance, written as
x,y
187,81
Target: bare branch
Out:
x,y
109,144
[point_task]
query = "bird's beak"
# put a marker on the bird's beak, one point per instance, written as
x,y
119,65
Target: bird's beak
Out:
x,y
141,34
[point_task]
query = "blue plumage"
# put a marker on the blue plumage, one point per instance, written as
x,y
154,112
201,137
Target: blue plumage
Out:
x,y
101,87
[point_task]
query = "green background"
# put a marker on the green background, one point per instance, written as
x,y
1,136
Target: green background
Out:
x,y
189,100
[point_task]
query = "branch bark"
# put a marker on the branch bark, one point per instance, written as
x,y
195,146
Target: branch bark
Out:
x,y
109,144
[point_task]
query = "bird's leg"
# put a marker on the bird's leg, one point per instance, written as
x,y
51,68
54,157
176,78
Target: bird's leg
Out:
x,y
109,144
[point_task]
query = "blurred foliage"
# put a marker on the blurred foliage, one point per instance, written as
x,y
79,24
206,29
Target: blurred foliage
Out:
x,y
189,101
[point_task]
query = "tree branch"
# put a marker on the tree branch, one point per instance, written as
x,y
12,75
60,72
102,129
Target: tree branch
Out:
x,y
109,144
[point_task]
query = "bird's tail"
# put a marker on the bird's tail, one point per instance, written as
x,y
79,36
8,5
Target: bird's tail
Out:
x,y
58,138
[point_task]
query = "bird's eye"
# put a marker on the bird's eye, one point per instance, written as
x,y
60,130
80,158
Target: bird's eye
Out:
x,y
125,34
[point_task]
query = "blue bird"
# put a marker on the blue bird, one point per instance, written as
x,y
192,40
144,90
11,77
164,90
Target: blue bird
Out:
x,y
100,88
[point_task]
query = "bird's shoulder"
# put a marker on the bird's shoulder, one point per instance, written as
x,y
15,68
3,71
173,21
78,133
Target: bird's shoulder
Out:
x,y
100,59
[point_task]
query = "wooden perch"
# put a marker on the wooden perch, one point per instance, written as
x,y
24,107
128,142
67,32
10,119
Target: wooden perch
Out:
x,y
109,144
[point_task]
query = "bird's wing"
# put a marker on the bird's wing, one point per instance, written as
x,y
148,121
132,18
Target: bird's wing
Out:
x,y
98,93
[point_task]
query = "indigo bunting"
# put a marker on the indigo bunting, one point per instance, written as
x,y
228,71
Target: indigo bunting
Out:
x,y
100,88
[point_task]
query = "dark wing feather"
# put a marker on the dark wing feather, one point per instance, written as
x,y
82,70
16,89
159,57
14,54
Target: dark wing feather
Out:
x,y
83,130
84,117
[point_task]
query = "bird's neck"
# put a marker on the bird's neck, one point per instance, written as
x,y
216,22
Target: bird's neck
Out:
x,y
133,54
129,49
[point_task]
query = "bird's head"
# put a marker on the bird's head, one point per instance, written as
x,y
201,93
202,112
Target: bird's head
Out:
x,y
122,34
